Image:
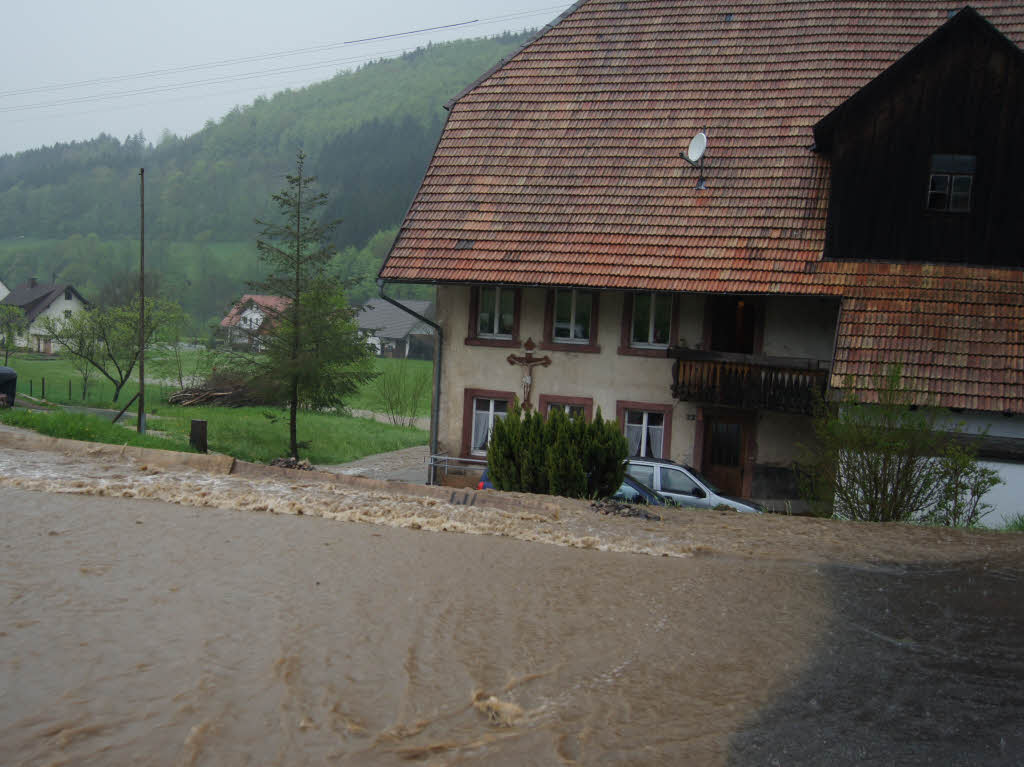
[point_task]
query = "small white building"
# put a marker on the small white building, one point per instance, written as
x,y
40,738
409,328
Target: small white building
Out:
x,y
3,291
39,301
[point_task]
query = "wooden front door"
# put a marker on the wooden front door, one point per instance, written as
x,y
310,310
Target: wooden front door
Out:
x,y
726,445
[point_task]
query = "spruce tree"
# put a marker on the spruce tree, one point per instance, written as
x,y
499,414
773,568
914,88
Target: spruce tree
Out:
x,y
312,352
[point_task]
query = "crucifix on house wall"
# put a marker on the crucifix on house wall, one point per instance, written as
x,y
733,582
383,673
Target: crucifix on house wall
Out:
x,y
528,362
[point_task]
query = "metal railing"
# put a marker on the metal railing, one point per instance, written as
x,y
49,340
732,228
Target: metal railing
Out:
x,y
444,462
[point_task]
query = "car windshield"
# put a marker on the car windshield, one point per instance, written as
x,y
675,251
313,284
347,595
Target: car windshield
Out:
x,y
704,481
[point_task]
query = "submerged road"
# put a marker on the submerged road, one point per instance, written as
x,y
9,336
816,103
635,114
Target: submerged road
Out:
x,y
144,632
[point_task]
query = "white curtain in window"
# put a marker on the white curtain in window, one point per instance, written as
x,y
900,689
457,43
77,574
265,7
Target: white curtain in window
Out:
x,y
655,435
481,428
635,435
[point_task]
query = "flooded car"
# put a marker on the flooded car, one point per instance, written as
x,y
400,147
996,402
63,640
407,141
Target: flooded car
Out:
x,y
685,485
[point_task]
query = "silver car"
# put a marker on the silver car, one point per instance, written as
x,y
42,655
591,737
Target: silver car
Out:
x,y
684,485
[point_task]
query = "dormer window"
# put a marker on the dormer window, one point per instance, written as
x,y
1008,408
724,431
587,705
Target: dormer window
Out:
x,y
950,182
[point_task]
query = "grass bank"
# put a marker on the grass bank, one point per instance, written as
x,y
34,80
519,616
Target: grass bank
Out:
x,y
89,428
245,433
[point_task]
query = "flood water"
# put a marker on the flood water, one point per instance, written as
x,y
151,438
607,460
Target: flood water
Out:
x,y
143,632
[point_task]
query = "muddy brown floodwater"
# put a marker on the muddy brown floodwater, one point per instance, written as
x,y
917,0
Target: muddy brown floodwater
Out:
x,y
144,632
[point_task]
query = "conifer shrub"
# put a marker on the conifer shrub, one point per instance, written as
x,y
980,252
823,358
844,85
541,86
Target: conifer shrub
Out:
x,y
566,474
557,456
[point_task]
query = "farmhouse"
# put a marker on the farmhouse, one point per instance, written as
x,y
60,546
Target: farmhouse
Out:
x,y
38,301
856,205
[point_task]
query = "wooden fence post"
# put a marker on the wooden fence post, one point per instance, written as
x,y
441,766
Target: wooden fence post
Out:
x,y
197,437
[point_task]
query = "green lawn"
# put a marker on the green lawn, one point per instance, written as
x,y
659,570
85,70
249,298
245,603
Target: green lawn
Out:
x,y
39,372
36,369
248,433
416,376
245,433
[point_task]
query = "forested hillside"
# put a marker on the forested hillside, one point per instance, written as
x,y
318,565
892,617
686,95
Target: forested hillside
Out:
x,y
72,209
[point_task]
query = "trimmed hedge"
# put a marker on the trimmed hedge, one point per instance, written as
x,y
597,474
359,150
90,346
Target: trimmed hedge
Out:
x,y
556,456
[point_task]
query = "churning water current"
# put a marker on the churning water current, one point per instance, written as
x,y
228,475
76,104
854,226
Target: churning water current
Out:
x,y
140,632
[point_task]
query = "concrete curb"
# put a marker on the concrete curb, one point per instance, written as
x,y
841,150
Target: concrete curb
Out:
x,y
511,502
224,465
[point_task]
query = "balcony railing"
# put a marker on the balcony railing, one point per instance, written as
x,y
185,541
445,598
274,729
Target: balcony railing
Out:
x,y
752,382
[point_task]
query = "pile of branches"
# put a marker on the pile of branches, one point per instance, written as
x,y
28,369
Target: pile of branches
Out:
x,y
293,463
612,507
219,389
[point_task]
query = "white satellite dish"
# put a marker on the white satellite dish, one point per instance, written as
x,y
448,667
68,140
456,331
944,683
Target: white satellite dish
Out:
x,y
697,146
695,155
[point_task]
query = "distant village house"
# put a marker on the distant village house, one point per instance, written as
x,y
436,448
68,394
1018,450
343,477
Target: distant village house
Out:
x,y
394,333
38,301
250,318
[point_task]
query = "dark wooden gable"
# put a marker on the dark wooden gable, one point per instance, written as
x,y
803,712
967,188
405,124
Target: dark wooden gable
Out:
x,y
959,92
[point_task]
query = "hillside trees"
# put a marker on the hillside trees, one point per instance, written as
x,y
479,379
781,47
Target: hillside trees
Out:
x,y
369,133
217,178
312,352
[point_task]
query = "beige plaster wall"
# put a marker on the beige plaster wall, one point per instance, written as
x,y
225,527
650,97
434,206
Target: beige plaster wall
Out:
x,y
800,327
779,436
606,376
794,327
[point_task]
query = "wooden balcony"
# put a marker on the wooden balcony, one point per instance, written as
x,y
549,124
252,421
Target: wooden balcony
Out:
x,y
751,382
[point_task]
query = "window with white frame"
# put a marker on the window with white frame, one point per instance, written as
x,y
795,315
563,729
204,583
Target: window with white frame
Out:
x,y
573,312
645,432
652,320
485,410
496,313
950,182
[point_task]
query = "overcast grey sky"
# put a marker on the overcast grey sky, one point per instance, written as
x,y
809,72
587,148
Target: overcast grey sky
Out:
x,y
59,58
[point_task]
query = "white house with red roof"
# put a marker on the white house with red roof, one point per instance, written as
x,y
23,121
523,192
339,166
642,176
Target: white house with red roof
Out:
x,y
856,206
249,318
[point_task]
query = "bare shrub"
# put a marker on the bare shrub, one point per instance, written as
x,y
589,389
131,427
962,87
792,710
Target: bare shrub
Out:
x,y
403,390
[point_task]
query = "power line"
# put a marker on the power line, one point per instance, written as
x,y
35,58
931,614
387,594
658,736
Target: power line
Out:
x,y
261,57
194,83
226,62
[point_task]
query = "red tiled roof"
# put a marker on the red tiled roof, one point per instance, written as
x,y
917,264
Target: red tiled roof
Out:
x,y
274,305
562,167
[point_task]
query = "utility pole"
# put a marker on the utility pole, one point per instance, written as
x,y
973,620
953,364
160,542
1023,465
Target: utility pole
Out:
x,y
142,302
